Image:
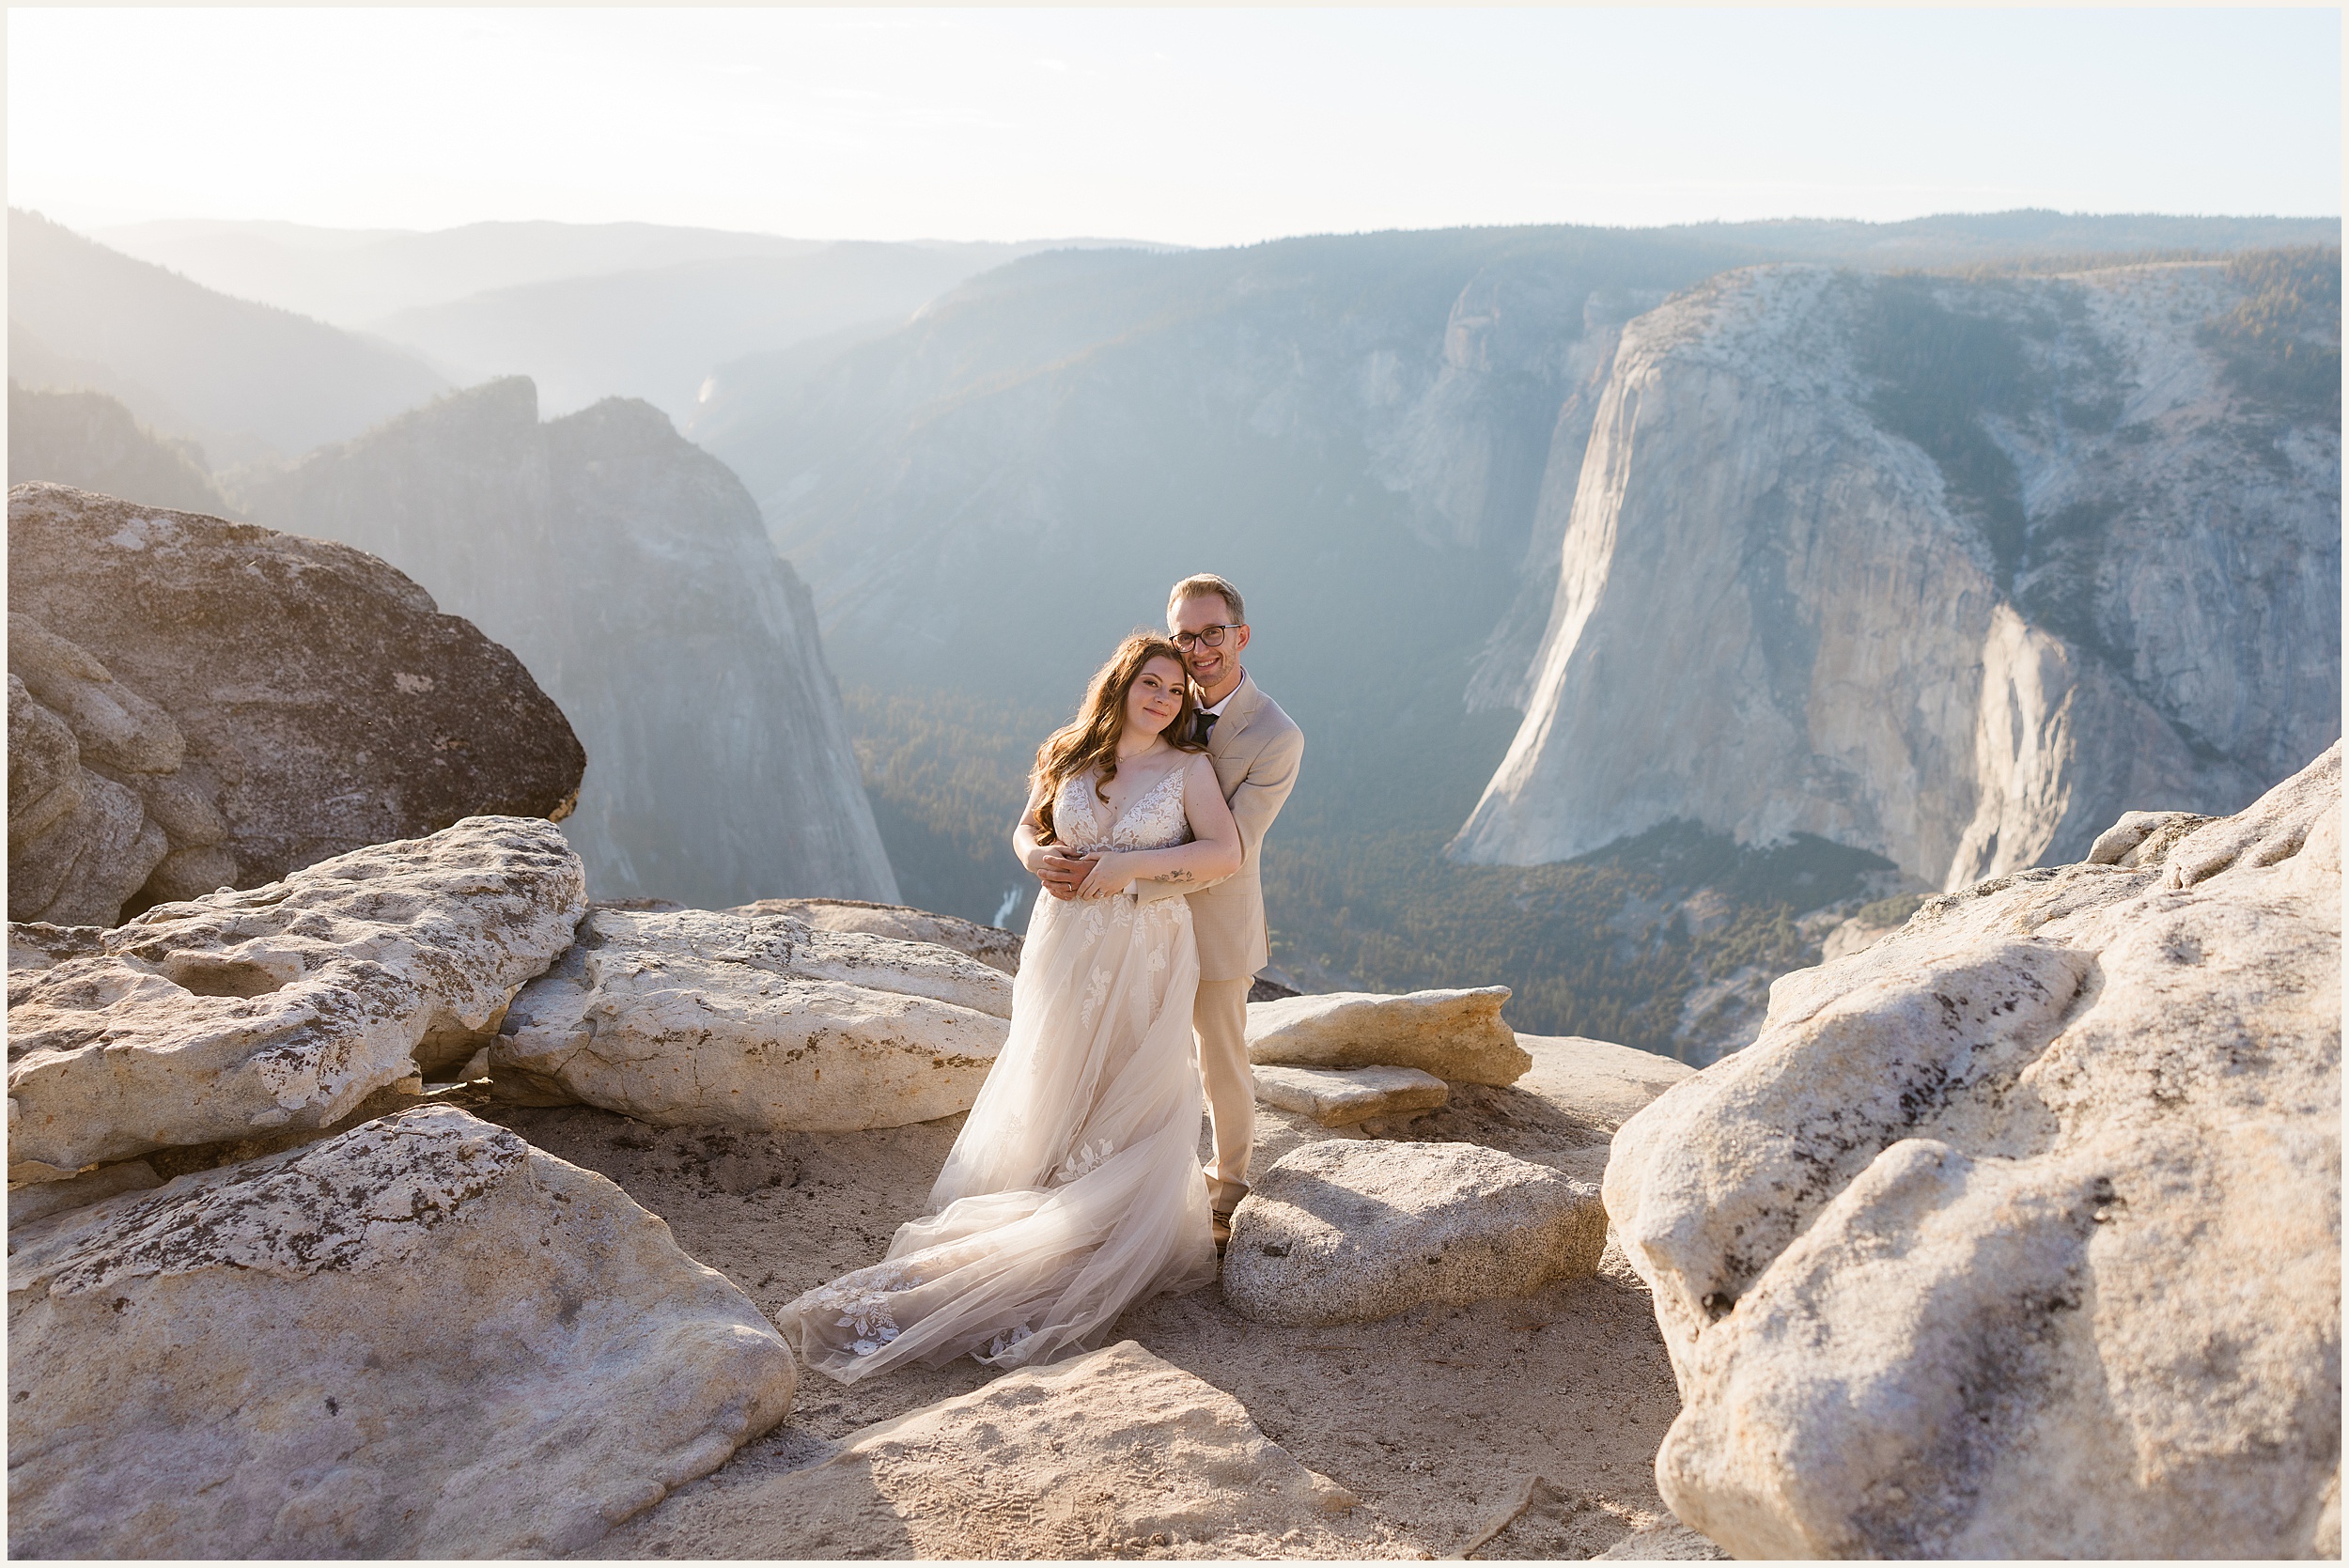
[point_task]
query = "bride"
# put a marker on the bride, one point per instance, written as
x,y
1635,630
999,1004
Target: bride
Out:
x,y
1074,1188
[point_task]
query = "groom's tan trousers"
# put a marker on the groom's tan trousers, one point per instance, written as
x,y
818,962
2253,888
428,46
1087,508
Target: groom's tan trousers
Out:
x,y
1220,1017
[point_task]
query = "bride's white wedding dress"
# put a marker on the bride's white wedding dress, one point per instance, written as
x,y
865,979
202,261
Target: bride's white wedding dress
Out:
x,y
1074,1188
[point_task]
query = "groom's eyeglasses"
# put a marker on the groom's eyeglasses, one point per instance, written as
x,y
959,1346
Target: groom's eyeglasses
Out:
x,y
1212,635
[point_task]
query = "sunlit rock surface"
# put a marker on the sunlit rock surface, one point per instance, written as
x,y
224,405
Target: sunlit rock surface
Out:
x,y
692,1016
1098,1456
1456,1035
421,1338
278,1007
1348,1230
2019,1233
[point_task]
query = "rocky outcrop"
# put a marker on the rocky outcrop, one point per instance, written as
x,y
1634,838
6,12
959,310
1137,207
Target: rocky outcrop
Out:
x,y
991,945
279,1007
263,701
1456,1035
1346,1231
2096,569
423,1338
1113,1454
1597,1082
103,810
1342,1099
631,571
2019,1233
690,1017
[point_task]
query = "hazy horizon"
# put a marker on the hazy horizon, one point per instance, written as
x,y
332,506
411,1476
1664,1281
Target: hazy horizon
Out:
x,y
1205,128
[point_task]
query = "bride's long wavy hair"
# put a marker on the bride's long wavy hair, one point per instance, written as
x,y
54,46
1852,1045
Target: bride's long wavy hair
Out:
x,y
1090,739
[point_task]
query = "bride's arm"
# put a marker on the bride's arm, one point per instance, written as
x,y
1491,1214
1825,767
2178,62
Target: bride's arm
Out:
x,y
1049,863
1214,850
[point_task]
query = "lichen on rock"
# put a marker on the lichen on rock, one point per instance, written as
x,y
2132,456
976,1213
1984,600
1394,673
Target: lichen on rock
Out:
x,y
2019,1233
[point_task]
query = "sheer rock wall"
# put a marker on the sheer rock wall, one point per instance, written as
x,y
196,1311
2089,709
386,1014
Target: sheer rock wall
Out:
x,y
1951,570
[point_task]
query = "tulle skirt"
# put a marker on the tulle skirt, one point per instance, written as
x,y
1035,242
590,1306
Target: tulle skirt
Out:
x,y
1074,1188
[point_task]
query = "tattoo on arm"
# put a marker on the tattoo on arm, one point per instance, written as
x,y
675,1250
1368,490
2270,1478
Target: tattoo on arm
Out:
x,y
1177,877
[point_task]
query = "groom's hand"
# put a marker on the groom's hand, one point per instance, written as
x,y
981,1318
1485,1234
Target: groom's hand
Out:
x,y
1062,873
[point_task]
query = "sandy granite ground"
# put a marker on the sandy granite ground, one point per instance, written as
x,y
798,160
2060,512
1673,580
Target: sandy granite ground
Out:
x,y
1442,1420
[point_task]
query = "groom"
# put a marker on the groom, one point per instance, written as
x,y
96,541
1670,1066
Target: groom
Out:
x,y
1255,748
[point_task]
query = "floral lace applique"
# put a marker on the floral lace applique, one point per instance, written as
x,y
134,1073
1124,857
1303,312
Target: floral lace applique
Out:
x,y
1097,991
1005,1342
861,1299
1084,1163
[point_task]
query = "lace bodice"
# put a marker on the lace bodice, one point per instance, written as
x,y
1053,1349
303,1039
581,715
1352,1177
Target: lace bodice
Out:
x,y
1155,819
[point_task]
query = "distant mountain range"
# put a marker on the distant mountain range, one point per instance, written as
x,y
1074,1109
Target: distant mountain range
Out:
x,y
586,310
1407,448
247,381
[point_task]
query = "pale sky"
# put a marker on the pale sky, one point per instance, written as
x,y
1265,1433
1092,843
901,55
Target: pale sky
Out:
x,y
1192,125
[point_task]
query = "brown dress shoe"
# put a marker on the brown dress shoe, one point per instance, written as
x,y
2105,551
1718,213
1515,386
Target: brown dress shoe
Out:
x,y
1221,1226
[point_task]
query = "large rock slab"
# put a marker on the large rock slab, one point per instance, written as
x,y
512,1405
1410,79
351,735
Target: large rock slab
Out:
x,y
2020,1233
1346,1231
1596,1081
279,1007
317,700
1343,1099
419,1338
991,945
689,1016
1456,1035
1100,1455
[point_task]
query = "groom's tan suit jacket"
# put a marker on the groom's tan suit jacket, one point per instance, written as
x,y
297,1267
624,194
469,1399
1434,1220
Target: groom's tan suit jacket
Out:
x,y
1255,748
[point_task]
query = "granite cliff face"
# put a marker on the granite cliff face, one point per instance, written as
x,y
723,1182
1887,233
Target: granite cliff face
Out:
x,y
1952,570
630,572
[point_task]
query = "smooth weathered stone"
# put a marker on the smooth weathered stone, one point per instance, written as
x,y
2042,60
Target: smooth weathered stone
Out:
x,y
2141,836
2018,1235
991,945
147,825
422,1338
318,699
689,1016
40,1200
79,844
1116,1449
1340,1099
1456,1035
278,1007
1344,1230
1596,1081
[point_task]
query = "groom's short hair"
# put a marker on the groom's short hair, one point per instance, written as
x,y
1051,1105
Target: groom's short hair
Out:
x,y
1201,587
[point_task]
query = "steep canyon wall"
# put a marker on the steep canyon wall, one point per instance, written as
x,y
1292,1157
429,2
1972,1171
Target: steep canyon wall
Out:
x,y
1952,569
632,574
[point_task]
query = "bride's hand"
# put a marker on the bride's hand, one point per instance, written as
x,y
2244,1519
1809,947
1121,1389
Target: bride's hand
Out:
x,y
1107,877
